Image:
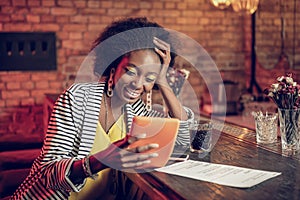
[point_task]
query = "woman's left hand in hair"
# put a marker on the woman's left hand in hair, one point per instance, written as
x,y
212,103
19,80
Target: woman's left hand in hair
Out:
x,y
163,49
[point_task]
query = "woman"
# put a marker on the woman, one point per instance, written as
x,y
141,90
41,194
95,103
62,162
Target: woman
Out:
x,y
87,130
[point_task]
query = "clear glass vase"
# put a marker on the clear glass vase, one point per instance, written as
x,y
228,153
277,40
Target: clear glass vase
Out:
x,y
289,130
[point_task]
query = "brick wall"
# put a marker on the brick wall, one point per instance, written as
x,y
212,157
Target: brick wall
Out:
x,y
269,41
223,33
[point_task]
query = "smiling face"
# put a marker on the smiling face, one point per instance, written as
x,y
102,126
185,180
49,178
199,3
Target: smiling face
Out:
x,y
136,74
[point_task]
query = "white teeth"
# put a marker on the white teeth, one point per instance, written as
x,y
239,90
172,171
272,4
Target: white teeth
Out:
x,y
132,93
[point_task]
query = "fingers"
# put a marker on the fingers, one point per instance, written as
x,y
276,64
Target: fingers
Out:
x,y
128,140
161,44
137,160
129,157
163,48
135,164
136,157
141,149
132,139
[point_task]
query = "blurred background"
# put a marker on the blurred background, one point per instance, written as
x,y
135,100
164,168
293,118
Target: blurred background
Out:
x,y
226,34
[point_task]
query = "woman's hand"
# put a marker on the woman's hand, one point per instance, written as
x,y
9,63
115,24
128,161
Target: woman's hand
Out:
x,y
118,156
163,49
173,106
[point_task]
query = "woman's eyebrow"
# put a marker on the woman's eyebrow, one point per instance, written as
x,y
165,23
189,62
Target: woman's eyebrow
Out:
x,y
131,65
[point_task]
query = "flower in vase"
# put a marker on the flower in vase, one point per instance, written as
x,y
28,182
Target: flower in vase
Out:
x,y
285,92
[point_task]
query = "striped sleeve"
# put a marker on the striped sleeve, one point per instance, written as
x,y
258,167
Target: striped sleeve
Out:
x,y
59,149
61,143
183,136
69,137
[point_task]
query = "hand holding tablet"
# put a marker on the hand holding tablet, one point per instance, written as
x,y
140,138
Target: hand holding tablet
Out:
x,y
162,131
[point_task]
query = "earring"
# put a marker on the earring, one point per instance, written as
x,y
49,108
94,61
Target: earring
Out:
x,y
110,91
149,101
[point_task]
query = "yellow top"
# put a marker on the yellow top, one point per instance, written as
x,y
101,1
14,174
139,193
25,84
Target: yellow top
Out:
x,y
99,188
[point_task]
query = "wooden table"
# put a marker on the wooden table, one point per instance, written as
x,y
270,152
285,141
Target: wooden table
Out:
x,y
235,146
231,149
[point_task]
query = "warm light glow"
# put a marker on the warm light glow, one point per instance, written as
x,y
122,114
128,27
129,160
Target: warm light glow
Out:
x,y
221,3
245,6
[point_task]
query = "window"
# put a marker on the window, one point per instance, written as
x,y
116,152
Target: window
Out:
x,y
27,51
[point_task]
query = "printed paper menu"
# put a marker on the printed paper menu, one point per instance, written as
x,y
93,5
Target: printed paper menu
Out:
x,y
217,173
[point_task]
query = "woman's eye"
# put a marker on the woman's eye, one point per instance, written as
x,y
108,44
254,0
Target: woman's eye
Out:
x,y
150,78
130,71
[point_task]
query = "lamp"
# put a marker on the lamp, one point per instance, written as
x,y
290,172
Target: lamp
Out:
x,y
221,3
245,6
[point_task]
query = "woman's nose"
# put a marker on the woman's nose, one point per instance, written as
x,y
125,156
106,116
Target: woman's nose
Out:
x,y
138,82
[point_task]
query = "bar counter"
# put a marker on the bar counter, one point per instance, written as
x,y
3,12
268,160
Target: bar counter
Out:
x,y
236,146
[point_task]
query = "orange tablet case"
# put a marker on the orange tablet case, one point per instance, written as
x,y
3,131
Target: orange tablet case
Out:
x,y
162,131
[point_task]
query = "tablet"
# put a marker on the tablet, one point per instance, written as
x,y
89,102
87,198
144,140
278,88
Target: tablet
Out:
x,y
162,131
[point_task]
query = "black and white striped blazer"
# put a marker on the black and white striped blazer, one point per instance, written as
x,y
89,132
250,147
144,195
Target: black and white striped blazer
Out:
x,y
70,136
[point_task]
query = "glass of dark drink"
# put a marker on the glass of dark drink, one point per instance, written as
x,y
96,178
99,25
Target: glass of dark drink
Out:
x,y
201,136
